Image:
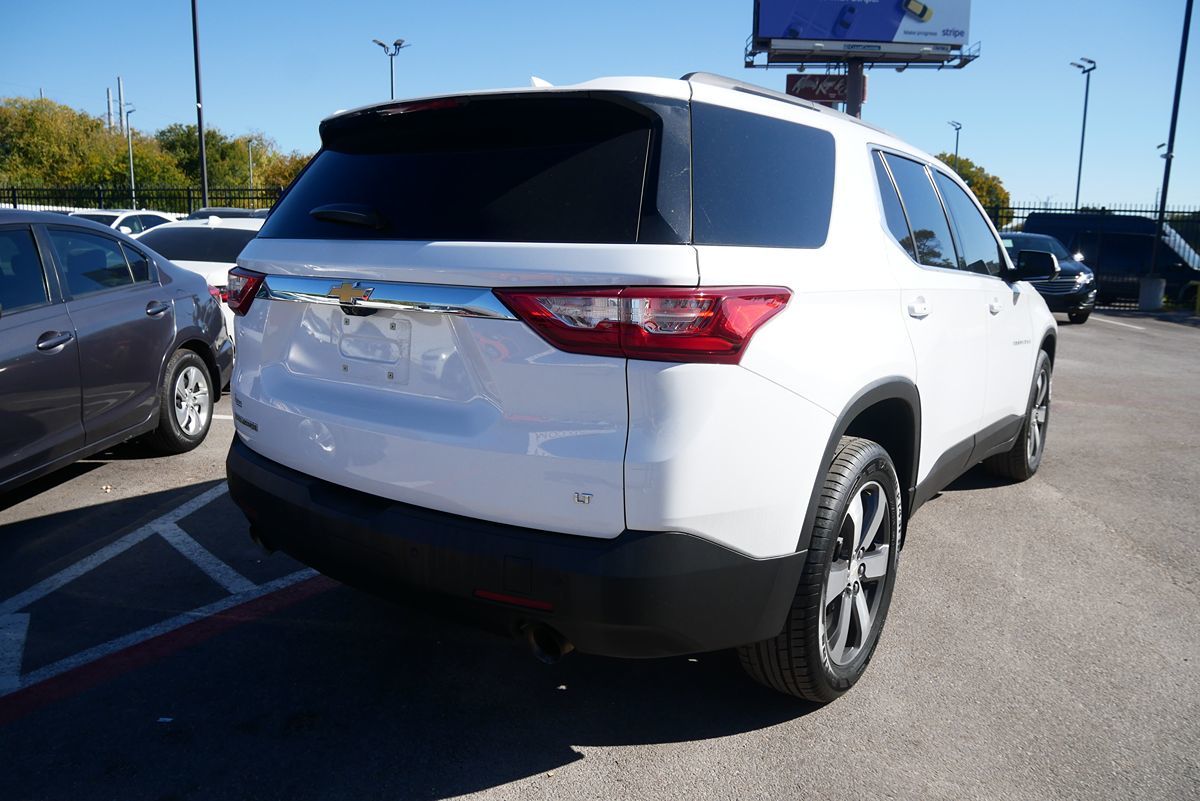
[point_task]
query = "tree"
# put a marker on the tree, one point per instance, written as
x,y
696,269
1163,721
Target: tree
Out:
x,y
43,143
987,187
229,157
280,169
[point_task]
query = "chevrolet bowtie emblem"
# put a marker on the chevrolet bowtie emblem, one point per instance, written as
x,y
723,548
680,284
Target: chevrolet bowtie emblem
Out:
x,y
347,293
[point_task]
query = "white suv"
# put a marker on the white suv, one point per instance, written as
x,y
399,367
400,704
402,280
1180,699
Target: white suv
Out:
x,y
640,367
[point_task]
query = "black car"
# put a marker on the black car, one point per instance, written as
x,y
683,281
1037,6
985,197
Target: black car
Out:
x,y
1120,247
1073,290
101,340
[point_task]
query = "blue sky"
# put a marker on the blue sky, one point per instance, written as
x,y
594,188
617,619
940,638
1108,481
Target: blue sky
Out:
x,y
279,66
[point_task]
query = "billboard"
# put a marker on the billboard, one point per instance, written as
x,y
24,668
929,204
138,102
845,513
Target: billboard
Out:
x,y
903,22
824,89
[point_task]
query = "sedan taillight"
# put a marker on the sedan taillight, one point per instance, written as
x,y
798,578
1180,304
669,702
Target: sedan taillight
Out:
x,y
671,324
242,289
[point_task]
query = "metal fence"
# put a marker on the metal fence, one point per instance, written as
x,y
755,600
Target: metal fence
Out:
x,y
1119,251
177,200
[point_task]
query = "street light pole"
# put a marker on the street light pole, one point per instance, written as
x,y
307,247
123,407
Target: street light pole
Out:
x,y
1170,154
391,54
199,110
1086,69
957,126
129,142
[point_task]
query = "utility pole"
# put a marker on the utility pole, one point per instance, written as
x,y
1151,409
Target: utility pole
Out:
x,y
199,110
108,117
391,54
1086,69
129,141
121,104
957,126
1170,154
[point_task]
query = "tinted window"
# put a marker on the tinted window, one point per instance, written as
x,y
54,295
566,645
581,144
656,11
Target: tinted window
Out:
x,y
134,223
893,212
103,219
198,243
1015,243
977,243
759,180
546,169
22,280
89,263
139,264
931,233
150,220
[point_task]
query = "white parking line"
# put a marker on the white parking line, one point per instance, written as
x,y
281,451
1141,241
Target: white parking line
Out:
x,y
222,416
134,638
14,625
203,558
113,549
1118,322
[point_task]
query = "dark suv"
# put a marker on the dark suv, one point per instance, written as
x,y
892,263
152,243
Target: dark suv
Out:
x,y
1073,290
101,340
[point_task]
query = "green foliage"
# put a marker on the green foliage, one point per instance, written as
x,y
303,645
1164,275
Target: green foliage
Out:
x,y
43,143
987,187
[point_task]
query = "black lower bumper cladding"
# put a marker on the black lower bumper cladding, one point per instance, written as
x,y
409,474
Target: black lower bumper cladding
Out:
x,y
640,594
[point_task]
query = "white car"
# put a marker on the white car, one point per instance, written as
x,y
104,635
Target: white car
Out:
x,y
127,221
639,367
209,247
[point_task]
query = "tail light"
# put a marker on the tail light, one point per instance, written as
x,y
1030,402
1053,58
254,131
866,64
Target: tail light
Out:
x,y
242,289
669,324
215,292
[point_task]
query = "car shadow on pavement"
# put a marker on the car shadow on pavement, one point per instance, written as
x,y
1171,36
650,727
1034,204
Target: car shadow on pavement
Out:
x,y
36,487
976,478
343,695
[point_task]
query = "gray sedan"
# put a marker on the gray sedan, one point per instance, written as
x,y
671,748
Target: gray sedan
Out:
x,y
101,340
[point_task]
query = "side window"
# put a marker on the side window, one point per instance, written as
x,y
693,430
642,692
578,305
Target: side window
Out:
x,y
133,222
148,221
89,263
975,238
893,212
22,279
759,181
931,232
139,264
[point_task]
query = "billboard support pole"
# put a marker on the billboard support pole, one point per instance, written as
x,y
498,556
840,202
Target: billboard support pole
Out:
x,y
1170,154
854,86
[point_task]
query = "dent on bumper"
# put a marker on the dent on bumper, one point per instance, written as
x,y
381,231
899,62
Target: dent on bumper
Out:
x,y
642,594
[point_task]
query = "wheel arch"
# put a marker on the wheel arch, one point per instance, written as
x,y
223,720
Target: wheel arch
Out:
x,y
1049,344
887,411
201,349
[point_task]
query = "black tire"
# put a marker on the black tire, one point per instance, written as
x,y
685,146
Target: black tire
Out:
x,y
801,661
1079,318
172,435
1022,461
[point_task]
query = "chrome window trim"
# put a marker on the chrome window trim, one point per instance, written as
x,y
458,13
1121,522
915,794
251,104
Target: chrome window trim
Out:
x,y
463,301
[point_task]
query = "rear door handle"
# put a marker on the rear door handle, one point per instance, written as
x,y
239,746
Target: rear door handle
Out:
x,y
156,308
54,340
918,308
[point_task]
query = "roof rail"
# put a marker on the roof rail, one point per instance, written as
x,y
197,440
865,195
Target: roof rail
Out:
x,y
721,81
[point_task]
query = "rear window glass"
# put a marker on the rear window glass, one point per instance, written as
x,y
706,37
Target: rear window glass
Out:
x,y
758,180
198,243
103,219
549,169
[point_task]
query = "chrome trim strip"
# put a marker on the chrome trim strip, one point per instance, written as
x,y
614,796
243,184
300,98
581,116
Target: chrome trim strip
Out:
x,y
464,301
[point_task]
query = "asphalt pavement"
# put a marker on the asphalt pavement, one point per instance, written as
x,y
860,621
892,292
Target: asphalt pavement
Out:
x,y
1042,644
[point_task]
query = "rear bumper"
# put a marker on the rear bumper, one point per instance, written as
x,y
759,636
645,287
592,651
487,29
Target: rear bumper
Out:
x,y
641,594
